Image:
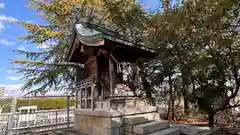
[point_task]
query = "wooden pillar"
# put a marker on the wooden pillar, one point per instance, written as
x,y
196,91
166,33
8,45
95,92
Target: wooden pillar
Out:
x,y
80,98
86,97
110,77
96,70
92,96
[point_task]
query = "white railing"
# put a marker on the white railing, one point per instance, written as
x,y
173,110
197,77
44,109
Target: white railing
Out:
x,y
4,128
4,116
40,119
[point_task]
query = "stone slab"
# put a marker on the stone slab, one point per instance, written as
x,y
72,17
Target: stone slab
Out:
x,y
97,112
150,127
213,131
168,131
152,116
117,131
116,122
100,131
127,133
133,120
128,128
196,130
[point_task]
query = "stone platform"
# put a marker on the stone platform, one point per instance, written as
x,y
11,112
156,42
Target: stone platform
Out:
x,y
107,117
130,117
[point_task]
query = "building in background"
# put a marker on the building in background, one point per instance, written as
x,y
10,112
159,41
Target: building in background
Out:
x,y
2,91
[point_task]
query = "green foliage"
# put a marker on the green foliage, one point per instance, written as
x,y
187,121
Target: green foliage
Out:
x,y
45,103
42,103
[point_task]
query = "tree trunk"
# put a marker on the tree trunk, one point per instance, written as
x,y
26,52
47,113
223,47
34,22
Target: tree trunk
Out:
x,y
186,105
171,100
211,119
173,109
193,83
169,109
185,92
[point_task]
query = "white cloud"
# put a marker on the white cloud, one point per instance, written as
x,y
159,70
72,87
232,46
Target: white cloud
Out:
x,y
7,18
21,48
2,5
15,90
12,89
5,42
14,78
4,19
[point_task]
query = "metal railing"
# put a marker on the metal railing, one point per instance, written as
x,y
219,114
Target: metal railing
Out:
x,y
42,121
4,130
35,121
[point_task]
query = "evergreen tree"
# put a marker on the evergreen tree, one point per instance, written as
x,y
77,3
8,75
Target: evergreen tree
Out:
x,y
46,68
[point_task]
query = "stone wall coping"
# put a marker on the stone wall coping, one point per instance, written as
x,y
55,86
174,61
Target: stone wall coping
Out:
x,y
106,113
123,98
97,112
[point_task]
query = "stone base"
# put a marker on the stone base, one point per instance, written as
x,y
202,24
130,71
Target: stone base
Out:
x,y
98,122
115,122
107,117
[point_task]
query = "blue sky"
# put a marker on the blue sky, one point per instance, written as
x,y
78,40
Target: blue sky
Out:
x,y
11,10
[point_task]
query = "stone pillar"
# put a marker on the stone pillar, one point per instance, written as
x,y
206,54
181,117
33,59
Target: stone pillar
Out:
x,y
102,91
92,96
76,99
86,97
111,77
80,98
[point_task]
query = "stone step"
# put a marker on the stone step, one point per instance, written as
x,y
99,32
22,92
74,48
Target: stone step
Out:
x,y
67,132
135,120
146,128
168,131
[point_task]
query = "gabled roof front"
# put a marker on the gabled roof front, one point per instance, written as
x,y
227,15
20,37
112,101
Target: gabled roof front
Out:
x,y
95,35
